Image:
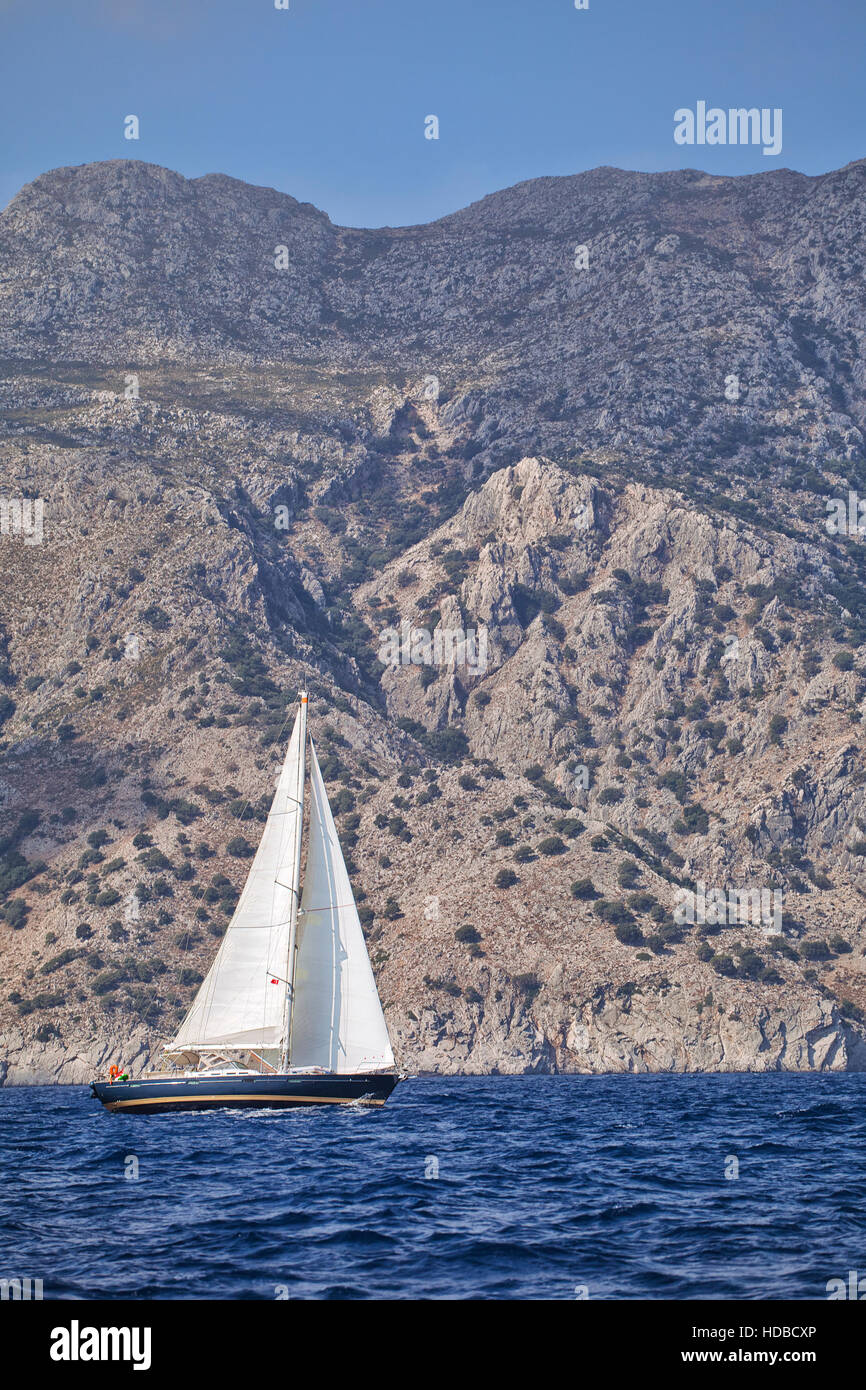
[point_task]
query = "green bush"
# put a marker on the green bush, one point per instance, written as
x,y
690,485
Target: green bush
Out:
x,y
552,845
724,965
839,945
156,617
643,902
778,726
109,980
629,933
614,913
528,985
41,1001
239,848
627,873
815,950
14,913
57,962
467,935
610,796
570,826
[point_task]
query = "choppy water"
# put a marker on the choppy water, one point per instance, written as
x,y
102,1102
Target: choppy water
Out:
x,y
545,1184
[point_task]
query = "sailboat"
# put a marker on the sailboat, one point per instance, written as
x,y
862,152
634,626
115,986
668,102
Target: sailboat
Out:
x,y
288,1014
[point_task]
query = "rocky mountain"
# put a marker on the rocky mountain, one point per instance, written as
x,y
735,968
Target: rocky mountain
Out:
x,y
553,506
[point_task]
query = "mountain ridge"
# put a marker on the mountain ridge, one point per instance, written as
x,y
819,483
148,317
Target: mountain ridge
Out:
x,y
624,475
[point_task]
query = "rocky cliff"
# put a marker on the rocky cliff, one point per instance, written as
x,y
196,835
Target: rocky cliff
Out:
x,y
557,551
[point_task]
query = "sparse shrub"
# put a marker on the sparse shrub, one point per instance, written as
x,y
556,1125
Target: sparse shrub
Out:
x,y
724,965
627,873
239,848
552,845
778,726
839,945
570,826
612,912
610,796
109,980
14,913
156,617
469,936
629,934
815,950
528,985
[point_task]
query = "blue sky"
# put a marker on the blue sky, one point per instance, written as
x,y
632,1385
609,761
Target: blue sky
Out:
x,y
327,100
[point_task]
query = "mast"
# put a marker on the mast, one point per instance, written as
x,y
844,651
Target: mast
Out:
x,y
286,1047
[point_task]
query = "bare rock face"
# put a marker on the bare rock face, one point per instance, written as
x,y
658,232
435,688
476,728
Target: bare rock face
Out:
x,y
32,1063
552,550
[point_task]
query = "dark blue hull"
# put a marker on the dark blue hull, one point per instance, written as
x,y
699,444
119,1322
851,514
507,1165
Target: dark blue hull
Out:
x,y
150,1096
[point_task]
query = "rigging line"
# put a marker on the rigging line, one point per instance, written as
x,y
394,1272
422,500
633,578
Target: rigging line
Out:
x,y
289,887
304,911
326,907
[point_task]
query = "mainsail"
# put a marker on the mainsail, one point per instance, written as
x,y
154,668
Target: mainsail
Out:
x,y
337,1020
237,1005
290,978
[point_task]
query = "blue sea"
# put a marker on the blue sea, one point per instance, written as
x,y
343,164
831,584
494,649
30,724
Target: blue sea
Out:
x,y
551,1187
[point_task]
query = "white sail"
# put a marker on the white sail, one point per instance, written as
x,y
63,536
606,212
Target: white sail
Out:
x,y
337,1020
238,1005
